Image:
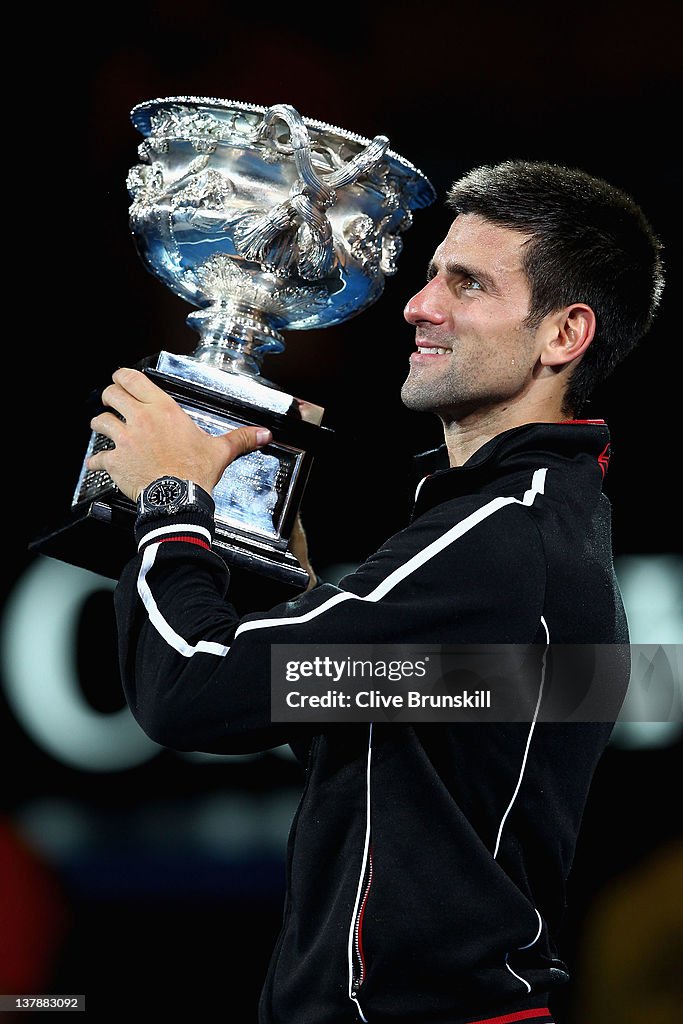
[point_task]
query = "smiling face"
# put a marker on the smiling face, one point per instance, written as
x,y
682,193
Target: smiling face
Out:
x,y
474,350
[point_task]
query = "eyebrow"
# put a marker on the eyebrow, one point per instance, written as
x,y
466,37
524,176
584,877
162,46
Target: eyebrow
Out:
x,y
460,270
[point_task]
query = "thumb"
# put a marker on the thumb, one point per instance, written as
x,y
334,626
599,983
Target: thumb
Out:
x,y
242,440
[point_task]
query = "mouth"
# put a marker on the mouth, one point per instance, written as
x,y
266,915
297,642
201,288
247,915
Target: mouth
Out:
x,y
427,353
431,350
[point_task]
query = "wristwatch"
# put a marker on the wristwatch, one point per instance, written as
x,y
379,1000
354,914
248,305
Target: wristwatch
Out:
x,y
170,494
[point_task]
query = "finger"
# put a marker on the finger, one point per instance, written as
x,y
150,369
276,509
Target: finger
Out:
x,y
242,440
99,461
109,424
137,384
308,412
115,397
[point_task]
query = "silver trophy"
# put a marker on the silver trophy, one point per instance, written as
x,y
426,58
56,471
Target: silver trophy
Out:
x,y
264,221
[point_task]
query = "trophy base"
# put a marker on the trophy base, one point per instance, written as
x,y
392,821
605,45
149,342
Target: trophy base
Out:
x,y
257,498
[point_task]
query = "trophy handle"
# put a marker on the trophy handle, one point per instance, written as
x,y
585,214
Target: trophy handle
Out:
x,y
297,235
300,142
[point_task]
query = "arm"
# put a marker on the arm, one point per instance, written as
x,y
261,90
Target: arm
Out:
x,y
154,437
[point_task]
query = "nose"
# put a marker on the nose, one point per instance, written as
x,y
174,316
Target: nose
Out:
x,y
425,306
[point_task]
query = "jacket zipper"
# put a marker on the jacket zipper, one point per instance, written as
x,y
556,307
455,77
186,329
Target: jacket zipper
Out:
x,y
355,952
359,962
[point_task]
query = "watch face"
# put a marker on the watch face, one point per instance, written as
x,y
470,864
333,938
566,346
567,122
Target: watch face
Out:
x,y
167,491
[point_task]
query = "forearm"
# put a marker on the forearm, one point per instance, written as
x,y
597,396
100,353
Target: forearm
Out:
x,y
184,684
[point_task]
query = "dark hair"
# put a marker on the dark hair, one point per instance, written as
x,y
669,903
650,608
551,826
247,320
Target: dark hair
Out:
x,y
590,243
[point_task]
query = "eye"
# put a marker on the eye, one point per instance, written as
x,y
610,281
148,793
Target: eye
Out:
x,y
470,284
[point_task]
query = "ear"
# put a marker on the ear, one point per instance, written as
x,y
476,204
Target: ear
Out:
x,y
573,330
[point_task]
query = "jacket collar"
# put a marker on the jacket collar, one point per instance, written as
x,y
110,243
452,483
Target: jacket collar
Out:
x,y
509,452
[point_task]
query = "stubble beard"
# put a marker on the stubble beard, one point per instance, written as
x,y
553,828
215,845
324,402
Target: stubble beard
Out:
x,y
420,394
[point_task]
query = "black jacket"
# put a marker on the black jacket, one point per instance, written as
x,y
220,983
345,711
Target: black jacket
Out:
x,y
427,862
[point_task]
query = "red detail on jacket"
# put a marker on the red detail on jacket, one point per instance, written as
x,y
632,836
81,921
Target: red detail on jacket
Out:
x,y
521,1016
189,539
603,458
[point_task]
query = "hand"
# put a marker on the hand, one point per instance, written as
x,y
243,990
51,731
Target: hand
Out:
x,y
297,542
299,548
156,437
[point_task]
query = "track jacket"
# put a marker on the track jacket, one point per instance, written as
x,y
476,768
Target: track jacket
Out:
x,y
426,863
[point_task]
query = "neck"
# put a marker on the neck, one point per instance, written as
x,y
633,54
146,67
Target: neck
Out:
x,y
466,434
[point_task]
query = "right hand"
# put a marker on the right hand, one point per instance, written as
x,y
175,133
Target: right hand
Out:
x,y
157,437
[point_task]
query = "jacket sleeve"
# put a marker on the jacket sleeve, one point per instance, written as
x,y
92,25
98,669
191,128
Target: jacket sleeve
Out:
x,y
197,676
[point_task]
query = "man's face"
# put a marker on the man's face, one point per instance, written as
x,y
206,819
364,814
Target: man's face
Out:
x,y
474,351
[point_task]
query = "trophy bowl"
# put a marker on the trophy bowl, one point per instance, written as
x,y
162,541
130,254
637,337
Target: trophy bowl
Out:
x,y
263,221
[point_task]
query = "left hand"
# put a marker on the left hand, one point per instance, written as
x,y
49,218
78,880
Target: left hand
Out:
x,y
156,437
299,548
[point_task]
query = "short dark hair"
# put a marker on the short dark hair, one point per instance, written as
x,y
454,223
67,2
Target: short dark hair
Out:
x,y
590,243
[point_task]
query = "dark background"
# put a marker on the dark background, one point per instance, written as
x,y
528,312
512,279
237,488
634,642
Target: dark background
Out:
x,y
123,903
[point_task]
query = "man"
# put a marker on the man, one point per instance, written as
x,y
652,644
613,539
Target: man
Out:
x,y
426,863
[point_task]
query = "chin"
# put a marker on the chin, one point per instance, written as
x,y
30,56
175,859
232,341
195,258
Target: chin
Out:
x,y
409,398
417,403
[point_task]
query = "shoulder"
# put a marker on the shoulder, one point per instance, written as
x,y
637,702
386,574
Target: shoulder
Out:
x,y
461,541
475,521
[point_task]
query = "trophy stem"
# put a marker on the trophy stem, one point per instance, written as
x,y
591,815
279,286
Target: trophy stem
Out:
x,y
234,337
